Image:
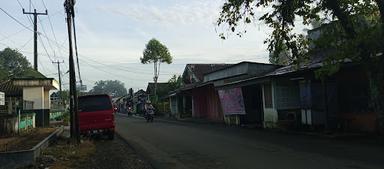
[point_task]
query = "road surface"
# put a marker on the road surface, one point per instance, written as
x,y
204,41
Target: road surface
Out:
x,y
201,146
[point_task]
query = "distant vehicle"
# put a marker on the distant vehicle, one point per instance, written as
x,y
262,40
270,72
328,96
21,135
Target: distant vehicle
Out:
x,y
96,115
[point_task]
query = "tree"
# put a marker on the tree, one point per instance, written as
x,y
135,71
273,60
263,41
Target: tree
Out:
x,y
356,33
156,53
12,63
175,82
283,58
111,87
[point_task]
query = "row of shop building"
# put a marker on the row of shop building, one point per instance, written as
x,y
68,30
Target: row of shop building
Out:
x,y
272,96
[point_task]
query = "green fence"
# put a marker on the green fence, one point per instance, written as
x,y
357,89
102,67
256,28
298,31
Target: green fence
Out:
x,y
27,121
56,115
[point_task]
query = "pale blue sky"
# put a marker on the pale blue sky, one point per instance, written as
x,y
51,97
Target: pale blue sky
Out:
x,y
113,34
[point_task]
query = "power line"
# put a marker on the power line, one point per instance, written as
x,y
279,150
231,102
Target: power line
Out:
x,y
15,19
59,72
13,34
35,16
49,43
76,51
75,131
107,72
44,68
45,34
45,49
126,69
10,40
50,22
52,29
23,25
26,43
22,7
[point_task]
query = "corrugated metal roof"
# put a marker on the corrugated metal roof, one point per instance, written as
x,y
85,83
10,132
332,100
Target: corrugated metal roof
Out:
x,y
199,70
9,89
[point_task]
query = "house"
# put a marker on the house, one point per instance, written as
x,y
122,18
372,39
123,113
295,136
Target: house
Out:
x,y
239,104
56,101
205,100
139,99
180,100
273,96
29,92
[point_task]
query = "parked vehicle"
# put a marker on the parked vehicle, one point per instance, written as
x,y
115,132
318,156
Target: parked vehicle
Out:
x,y
96,115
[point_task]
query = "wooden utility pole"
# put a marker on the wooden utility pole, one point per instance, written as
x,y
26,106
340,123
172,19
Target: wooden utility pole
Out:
x,y
35,14
75,133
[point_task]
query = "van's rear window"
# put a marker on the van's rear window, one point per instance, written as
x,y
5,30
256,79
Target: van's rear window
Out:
x,y
94,103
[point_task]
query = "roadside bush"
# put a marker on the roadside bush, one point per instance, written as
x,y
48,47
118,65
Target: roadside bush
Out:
x,y
162,108
66,117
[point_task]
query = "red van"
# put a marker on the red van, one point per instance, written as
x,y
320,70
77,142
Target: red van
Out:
x,y
96,115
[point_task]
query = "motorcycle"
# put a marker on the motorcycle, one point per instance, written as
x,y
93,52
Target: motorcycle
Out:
x,y
149,117
129,111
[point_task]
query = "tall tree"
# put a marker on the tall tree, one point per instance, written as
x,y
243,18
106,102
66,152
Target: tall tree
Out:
x,y
156,53
12,63
356,34
112,87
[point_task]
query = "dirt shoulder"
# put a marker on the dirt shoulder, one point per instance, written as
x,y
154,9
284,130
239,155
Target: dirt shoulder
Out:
x,y
25,141
95,154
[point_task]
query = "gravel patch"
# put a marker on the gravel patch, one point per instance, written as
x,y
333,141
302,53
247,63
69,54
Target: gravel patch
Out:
x,y
115,154
26,140
91,154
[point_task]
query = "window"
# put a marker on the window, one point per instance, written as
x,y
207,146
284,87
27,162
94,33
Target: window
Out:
x,y
94,103
267,96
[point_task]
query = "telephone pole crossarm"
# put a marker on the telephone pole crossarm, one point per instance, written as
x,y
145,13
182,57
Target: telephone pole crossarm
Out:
x,y
35,53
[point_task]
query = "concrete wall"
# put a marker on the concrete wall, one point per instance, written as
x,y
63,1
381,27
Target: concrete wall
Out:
x,y
47,100
173,105
35,94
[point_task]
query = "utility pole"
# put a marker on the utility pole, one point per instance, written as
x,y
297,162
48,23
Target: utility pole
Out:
x,y
75,133
58,69
60,86
35,14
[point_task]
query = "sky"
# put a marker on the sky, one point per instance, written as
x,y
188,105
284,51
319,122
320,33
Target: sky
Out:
x,y
112,35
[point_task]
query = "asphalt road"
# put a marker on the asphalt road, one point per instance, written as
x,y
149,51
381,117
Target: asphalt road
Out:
x,y
185,145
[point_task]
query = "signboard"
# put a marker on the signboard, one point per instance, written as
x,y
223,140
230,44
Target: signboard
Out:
x,y
2,99
232,101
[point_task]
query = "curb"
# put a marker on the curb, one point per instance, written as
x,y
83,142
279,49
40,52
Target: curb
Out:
x,y
16,159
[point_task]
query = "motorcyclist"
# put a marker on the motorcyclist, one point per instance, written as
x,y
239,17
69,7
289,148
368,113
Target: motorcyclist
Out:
x,y
149,110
